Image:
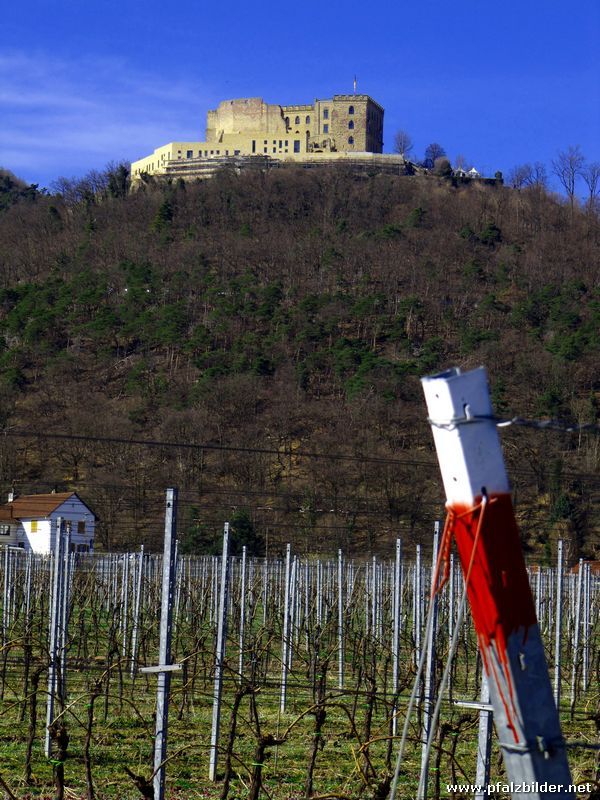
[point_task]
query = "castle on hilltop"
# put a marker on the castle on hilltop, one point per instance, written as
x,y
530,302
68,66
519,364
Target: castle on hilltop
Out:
x,y
347,126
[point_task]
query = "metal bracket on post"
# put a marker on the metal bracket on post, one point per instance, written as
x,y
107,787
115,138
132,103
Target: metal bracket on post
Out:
x,y
474,477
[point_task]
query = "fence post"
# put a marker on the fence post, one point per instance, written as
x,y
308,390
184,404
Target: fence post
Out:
x,y
285,645
55,620
164,657
340,620
487,537
558,624
396,633
219,656
430,689
484,743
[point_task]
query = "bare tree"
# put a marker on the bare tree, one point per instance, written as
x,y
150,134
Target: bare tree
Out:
x,y
567,167
528,175
432,152
403,143
591,176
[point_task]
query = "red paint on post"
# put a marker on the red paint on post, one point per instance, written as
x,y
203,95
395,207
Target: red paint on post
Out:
x,y
498,586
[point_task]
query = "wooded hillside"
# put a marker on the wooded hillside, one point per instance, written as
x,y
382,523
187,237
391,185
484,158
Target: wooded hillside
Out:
x,y
291,314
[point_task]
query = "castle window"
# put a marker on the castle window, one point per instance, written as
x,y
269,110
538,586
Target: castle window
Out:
x,y
265,150
286,142
236,152
274,149
351,124
307,121
190,154
296,145
351,140
280,144
325,113
351,110
287,122
325,128
265,142
297,120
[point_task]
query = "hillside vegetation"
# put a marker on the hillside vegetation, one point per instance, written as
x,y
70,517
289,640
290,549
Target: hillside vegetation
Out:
x,y
292,314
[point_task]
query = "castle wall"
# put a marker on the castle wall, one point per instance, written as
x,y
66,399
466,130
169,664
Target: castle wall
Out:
x,y
249,126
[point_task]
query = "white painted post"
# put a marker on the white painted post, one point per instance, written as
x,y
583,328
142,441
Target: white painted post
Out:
x,y
487,537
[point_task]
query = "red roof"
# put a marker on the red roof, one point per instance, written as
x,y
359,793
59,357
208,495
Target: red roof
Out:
x,y
35,505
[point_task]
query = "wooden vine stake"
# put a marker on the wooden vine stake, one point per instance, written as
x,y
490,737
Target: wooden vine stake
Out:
x,y
482,521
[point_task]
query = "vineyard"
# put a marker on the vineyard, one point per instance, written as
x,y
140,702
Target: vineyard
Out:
x,y
287,678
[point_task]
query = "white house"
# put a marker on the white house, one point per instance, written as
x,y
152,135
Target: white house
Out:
x,y
30,522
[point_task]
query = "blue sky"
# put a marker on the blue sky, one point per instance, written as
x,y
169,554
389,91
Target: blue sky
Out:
x,y
85,82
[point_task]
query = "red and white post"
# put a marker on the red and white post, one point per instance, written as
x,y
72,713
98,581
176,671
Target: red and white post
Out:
x,y
482,521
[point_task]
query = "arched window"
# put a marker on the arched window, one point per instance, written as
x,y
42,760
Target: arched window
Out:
x,y
287,122
307,122
351,110
297,120
351,140
351,124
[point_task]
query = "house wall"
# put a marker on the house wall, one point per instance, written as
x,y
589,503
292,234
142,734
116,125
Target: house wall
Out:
x,y
37,540
72,511
10,534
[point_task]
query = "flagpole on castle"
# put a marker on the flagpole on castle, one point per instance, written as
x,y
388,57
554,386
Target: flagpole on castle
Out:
x,y
355,84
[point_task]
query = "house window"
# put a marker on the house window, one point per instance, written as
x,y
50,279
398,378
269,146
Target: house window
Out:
x,y
307,121
351,124
34,526
296,145
325,128
351,110
325,113
351,140
81,526
4,530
